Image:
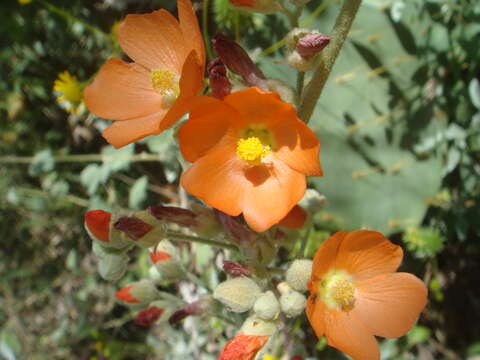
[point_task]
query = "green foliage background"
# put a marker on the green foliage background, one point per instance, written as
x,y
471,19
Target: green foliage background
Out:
x,y
399,124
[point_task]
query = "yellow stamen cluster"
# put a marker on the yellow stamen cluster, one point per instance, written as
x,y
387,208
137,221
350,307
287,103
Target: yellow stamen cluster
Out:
x,y
69,91
165,82
252,150
337,291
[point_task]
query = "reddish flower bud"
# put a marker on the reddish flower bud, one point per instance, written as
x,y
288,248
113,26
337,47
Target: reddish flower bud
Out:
x,y
148,316
295,219
133,227
243,347
195,308
217,74
143,291
238,61
125,295
235,269
157,255
312,44
234,228
180,216
97,223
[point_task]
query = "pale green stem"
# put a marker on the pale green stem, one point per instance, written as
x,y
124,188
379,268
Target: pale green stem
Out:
x,y
81,158
184,237
314,88
208,45
300,82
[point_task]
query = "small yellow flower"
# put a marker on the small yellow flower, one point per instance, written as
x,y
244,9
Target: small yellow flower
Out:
x,y
68,91
24,2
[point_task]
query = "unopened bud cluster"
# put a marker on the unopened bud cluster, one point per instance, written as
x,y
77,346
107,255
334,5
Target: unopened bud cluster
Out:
x,y
303,46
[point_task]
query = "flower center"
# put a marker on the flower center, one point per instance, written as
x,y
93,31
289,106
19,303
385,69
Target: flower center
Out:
x,y
252,150
166,83
337,291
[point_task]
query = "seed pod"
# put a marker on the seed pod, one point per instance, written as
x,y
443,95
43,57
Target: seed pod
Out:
x,y
267,306
299,273
238,294
293,303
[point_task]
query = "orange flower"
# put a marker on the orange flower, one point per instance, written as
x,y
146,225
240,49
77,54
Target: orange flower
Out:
x,y
250,155
356,294
295,219
243,347
150,94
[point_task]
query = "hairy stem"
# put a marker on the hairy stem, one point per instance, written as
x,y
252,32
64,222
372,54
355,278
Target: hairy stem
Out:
x,y
184,237
314,88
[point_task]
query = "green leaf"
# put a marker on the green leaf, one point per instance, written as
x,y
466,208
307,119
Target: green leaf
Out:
x,y
418,335
474,91
117,159
93,176
42,162
138,193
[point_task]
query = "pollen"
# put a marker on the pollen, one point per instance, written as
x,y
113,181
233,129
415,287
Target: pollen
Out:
x,y
252,150
166,83
337,291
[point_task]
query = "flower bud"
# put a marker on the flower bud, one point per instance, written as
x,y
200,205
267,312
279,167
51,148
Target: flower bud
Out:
x,y
219,82
142,228
238,61
243,347
207,223
313,201
195,308
238,294
112,267
264,6
292,303
311,44
300,63
143,291
166,261
154,275
148,316
99,226
299,273
179,216
258,327
303,45
295,219
267,306
235,269
235,229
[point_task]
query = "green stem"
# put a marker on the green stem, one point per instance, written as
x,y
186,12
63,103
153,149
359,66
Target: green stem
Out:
x,y
208,45
328,56
81,158
300,82
69,17
184,237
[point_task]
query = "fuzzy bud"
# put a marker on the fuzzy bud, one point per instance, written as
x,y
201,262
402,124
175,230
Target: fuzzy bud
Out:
x,y
179,216
303,45
300,63
99,226
236,269
267,306
143,291
311,44
195,308
243,347
148,316
313,201
112,267
207,223
219,82
292,303
299,273
142,228
166,261
264,6
258,327
238,294
235,229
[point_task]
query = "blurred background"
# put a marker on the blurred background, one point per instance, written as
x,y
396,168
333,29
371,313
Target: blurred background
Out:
x,y
399,125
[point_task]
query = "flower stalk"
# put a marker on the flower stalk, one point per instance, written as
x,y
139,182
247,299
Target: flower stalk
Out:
x,y
314,88
176,236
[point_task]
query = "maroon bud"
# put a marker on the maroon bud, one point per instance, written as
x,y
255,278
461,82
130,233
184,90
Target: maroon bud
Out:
x,y
238,61
133,227
234,228
235,269
180,216
217,74
195,308
312,44
148,316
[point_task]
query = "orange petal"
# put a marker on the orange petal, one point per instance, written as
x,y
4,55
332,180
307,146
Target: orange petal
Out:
x,y
124,294
258,106
218,179
390,304
295,219
324,259
316,315
122,133
299,147
208,122
98,224
273,190
243,347
190,84
346,332
154,40
122,91
190,28
365,253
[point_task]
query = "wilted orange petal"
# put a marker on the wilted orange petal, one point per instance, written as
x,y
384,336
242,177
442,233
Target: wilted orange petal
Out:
x,y
389,304
243,347
365,253
217,178
122,91
273,190
295,219
261,107
299,147
122,133
98,223
316,315
124,294
346,332
324,259
154,40
190,28
208,123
